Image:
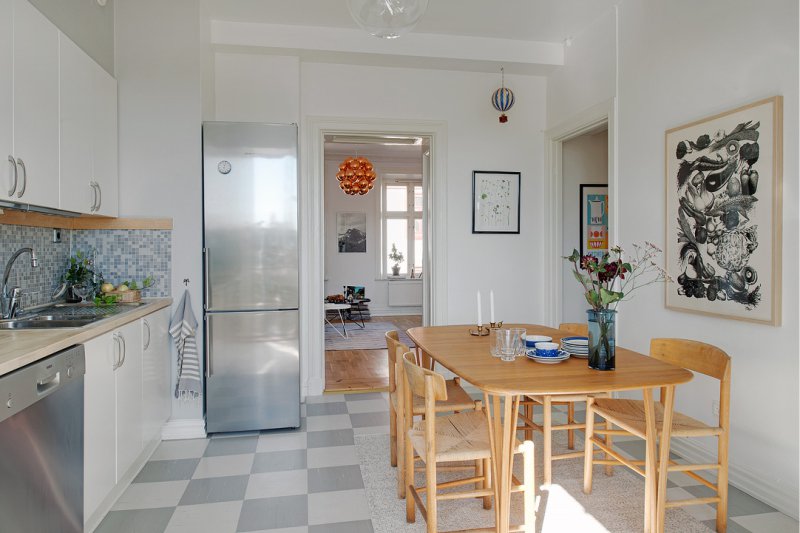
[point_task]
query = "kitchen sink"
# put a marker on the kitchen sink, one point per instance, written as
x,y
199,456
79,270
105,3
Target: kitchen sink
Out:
x,y
63,315
45,323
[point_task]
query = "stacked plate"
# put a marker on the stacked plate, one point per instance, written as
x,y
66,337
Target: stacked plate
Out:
x,y
562,356
576,346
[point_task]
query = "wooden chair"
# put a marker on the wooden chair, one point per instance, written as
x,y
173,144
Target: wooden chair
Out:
x,y
457,400
630,416
458,437
547,427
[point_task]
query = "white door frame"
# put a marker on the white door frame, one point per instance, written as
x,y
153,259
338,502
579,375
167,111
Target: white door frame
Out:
x,y
579,124
312,229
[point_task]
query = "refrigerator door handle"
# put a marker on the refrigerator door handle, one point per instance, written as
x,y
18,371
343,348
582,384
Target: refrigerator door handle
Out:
x,y
206,284
209,369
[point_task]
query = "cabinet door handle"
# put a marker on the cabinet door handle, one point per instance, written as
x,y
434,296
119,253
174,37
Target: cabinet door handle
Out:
x,y
206,274
124,349
93,208
209,368
146,324
117,352
99,196
21,163
13,189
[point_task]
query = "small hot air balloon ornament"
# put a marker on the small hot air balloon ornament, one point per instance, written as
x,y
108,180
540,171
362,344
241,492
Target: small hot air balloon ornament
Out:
x,y
503,98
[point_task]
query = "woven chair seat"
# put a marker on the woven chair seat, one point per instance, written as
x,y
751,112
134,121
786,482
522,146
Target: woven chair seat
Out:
x,y
459,437
457,400
631,413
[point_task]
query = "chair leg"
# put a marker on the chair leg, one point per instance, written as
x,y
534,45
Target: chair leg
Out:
x,y
722,483
487,482
401,453
547,410
392,434
588,448
408,464
609,468
571,420
430,492
529,480
529,416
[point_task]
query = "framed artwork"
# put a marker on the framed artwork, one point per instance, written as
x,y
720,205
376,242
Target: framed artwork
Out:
x,y
351,232
495,202
594,220
723,193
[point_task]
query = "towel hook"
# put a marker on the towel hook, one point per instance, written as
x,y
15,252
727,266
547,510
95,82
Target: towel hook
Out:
x,y
186,282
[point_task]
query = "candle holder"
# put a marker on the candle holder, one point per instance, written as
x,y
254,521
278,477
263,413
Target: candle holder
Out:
x,y
480,331
495,325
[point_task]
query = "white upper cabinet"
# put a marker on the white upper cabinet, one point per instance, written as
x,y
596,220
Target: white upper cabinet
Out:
x,y
78,191
7,168
36,143
104,152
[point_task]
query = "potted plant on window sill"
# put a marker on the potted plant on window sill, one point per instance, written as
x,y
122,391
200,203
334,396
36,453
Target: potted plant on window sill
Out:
x,y
608,280
396,257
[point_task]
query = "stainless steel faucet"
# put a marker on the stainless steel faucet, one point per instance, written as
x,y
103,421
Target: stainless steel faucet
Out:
x,y
9,300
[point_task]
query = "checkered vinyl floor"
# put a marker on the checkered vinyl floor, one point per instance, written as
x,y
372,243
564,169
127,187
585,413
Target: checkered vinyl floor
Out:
x,y
309,481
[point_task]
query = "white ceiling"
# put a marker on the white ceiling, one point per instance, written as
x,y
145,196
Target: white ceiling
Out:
x,y
532,20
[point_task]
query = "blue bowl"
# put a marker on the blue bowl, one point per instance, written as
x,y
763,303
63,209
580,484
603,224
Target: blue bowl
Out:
x,y
531,340
547,349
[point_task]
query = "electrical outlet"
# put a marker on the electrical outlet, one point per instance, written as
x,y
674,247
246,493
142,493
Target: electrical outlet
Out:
x,y
56,235
715,407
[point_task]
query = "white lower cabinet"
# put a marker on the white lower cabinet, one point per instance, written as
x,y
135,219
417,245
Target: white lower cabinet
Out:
x,y
126,400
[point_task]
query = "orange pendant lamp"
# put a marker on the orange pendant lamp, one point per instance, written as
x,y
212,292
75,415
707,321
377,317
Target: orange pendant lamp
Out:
x,y
356,176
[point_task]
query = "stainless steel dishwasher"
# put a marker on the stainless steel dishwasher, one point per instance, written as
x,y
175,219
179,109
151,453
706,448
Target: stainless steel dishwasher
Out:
x,y
41,445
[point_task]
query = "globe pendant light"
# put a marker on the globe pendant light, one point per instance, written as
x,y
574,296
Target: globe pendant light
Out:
x,y
356,176
502,98
387,19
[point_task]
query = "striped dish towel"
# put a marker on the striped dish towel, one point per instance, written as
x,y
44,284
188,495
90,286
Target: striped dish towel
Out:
x,y
183,328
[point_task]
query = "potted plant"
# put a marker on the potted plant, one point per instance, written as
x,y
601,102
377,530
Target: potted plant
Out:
x,y
608,280
396,257
79,277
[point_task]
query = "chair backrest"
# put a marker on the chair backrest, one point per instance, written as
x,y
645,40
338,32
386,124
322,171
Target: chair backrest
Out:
x,y
417,378
394,348
575,328
698,357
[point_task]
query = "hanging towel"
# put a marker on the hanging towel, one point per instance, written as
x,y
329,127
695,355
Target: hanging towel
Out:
x,y
183,328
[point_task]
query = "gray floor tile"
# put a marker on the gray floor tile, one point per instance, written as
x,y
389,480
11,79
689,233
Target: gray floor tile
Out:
x,y
324,398
368,406
336,437
279,461
361,526
303,427
334,456
334,478
329,422
273,513
180,449
361,420
365,396
215,489
319,409
733,527
232,446
176,470
272,484
217,517
282,441
136,521
739,503
151,495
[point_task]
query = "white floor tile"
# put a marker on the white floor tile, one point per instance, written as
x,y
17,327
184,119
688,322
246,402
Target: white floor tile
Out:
x,y
218,517
328,422
371,430
367,406
224,465
271,484
333,456
180,449
151,495
339,506
281,442
325,398
302,529
767,523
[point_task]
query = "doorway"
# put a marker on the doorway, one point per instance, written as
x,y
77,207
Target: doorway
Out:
x,y
375,252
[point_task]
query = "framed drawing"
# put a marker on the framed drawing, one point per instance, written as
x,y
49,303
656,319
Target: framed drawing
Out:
x,y
495,202
723,242
594,220
351,232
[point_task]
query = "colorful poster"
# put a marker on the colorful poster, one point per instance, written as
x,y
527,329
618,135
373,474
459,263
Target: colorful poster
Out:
x,y
594,220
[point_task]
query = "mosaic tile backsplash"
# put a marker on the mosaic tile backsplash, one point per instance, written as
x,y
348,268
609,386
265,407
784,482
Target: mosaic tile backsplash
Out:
x,y
121,255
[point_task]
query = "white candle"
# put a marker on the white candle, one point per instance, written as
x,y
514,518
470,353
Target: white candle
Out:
x,y
480,321
491,307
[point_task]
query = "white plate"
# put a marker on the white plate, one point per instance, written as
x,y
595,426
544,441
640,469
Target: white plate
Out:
x,y
563,356
579,355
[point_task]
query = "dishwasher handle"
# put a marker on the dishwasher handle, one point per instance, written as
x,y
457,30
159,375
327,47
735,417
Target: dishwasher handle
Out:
x,y
46,385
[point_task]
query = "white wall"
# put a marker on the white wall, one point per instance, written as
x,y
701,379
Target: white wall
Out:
x,y
360,268
670,73
584,160
159,80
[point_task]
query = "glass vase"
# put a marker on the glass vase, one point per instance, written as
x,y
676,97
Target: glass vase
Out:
x,y
602,337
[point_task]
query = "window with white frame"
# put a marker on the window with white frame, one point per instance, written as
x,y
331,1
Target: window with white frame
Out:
x,y
401,227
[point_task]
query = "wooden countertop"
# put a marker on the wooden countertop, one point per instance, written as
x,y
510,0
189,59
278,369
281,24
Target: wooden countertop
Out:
x,y
23,347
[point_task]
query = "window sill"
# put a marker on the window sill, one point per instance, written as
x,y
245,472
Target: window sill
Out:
x,y
397,279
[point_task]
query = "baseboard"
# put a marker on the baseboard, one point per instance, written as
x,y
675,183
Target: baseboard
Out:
x,y
184,428
313,387
742,478
108,502
394,311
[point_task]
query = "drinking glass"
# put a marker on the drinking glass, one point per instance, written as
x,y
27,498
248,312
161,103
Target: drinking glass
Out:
x,y
520,335
507,344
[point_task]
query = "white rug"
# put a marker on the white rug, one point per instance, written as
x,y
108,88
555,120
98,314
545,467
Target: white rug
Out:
x,y
616,504
371,337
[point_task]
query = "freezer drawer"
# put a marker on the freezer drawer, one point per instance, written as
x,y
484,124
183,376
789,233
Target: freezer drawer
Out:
x,y
252,371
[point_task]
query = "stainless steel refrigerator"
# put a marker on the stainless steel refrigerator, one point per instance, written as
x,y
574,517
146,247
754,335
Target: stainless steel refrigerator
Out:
x,y
250,254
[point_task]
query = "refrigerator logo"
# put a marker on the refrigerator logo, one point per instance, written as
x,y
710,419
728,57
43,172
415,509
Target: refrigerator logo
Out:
x,y
224,167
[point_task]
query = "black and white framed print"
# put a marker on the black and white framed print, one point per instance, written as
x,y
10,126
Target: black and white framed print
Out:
x,y
723,242
351,231
495,202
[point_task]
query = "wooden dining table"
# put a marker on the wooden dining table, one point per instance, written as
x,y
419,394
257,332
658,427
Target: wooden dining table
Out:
x,y
504,383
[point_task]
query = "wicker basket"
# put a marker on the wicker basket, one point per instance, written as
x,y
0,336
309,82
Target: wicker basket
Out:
x,y
133,295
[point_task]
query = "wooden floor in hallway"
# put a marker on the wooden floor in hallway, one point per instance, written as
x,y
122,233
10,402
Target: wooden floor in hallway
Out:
x,y
363,370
